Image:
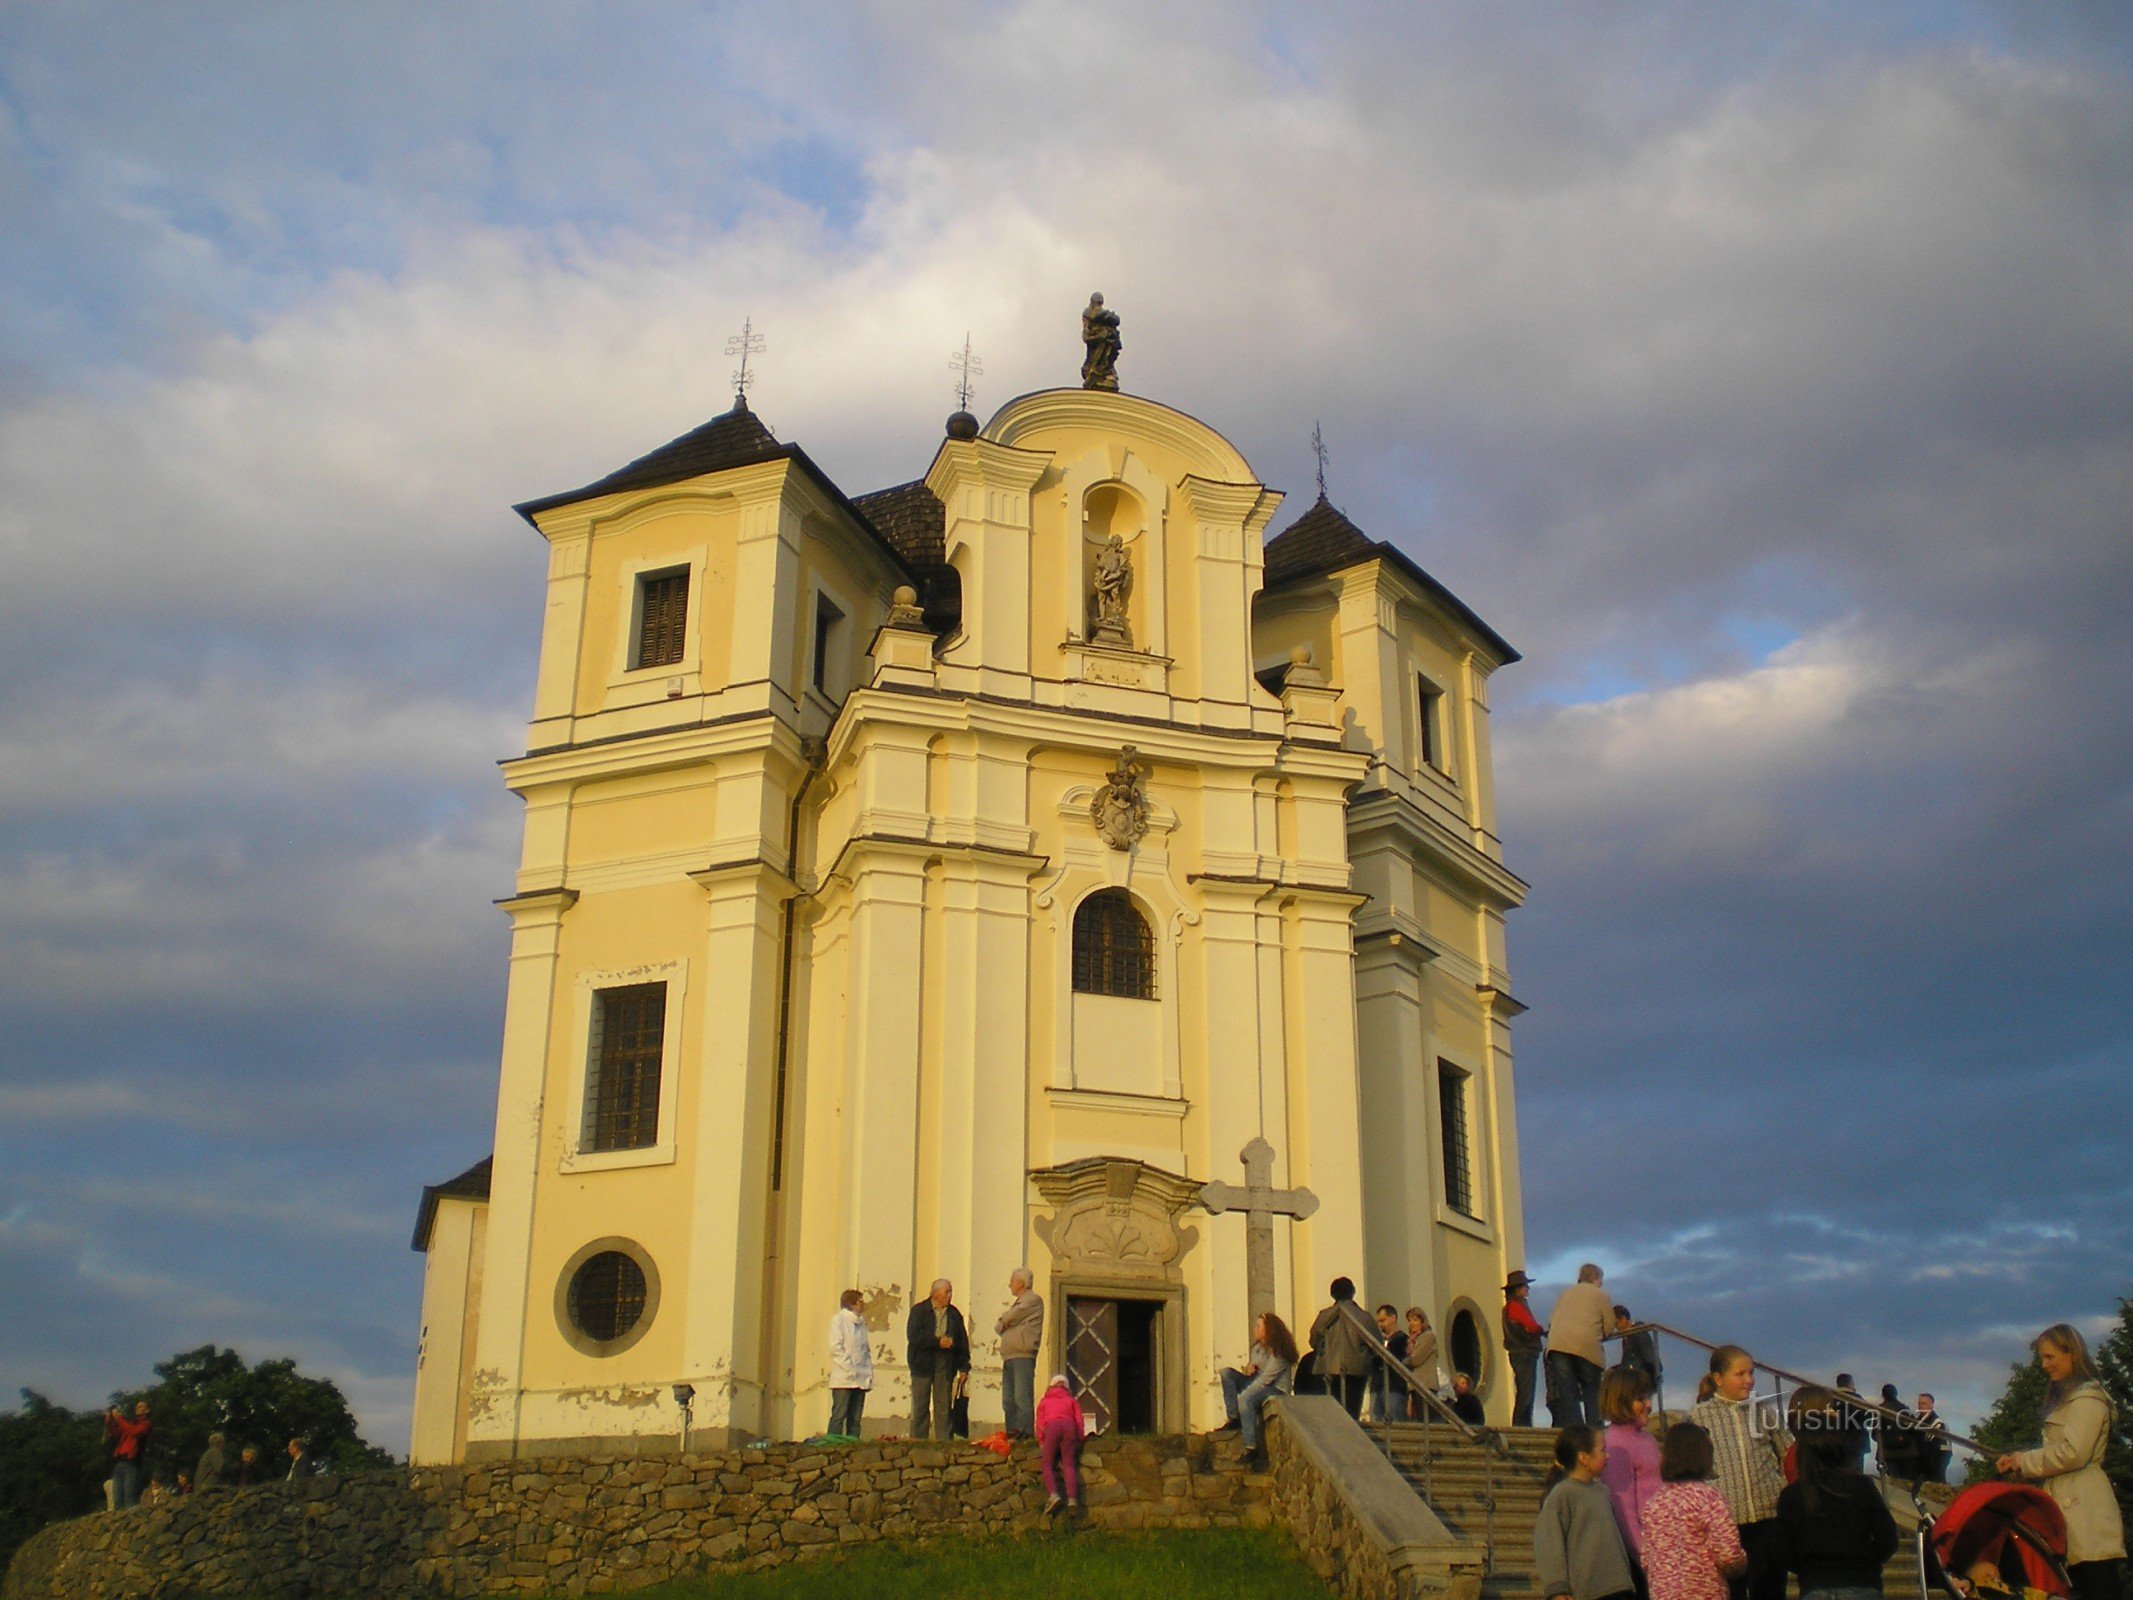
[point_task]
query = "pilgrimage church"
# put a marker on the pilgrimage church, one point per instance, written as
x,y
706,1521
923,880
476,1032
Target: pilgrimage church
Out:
x,y
960,876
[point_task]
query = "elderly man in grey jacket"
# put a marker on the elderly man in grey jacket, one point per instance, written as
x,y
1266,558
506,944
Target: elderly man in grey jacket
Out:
x,y
1020,1326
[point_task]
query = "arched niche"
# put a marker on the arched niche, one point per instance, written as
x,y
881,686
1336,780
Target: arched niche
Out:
x,y
1103,493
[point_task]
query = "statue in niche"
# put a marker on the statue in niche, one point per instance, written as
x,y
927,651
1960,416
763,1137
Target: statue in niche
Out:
x,y
1107,604
1099,332
1120,806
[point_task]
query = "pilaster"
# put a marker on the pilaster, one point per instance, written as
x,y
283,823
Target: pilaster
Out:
x,y
507,1301
1226,519
736,1082
985,490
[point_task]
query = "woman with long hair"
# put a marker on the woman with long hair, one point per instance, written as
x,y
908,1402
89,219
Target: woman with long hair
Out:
x,y
1691,1547
1577,1549
1834,1529
1271,1370
1632,1474
1748,1445
2078,1419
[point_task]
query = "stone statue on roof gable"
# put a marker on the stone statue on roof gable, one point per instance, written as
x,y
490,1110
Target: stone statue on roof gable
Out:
x,y
1099,332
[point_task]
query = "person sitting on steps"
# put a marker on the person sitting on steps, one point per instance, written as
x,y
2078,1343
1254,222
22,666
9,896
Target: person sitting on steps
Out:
x,y
1270,1371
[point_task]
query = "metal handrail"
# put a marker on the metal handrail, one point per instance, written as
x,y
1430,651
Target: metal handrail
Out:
x,y
1856,1401
1374,1342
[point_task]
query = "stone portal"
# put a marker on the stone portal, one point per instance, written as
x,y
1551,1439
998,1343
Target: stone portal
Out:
x,y
1117,1291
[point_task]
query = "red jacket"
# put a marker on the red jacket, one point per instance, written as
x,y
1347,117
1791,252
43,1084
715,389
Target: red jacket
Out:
x,y
130,1438
1057,1406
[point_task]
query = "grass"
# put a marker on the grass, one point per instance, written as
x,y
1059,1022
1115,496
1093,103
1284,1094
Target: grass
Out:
x,y
1218,1565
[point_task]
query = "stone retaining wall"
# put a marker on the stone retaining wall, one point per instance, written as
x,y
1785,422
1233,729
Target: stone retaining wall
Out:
x,y
1363,1530
573,1526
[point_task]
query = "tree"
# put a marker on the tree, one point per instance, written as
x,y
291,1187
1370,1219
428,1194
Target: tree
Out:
x,y
2016,1419
53,1461
210,1390
51,1467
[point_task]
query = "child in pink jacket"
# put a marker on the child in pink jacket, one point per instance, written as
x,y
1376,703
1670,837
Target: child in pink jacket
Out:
x,y
1059,1429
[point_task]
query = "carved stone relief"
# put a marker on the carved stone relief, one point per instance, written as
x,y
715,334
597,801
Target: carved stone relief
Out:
x,y
1113,1217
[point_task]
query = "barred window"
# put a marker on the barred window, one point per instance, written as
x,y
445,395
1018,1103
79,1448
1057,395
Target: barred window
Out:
x,y
662,618
622,1070
607,1296
1114,951
1458,1168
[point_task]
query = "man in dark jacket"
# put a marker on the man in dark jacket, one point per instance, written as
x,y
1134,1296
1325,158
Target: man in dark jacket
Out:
x,y
937,1347
1522,1336
1640,1351
1343,1359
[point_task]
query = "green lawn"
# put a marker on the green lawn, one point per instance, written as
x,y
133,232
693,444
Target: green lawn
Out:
x,y
1221,1565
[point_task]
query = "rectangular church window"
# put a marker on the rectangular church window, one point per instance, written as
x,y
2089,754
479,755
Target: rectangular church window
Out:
x,y
662,618
827,616
622,1072
1428,732
1458,1168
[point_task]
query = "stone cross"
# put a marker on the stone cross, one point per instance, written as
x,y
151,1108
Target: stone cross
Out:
x,y
1261,1203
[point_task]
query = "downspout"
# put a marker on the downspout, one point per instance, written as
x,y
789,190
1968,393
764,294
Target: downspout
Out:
x,y
815,751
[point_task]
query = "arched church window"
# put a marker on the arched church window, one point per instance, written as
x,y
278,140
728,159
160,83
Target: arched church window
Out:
x,y
607,1296
1114,948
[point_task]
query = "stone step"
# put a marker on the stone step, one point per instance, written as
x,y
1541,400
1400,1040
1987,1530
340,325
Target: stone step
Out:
x,y
1460,1476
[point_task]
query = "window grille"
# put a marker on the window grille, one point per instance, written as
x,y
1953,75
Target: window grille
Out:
x,y
607,1296
1458,1168
662,618
622,1096
1114,950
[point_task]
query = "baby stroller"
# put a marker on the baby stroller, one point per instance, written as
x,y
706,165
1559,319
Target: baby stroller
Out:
x,y
2013,1531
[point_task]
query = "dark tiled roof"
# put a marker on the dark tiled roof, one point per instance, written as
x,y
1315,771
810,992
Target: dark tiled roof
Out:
x,y
1323,540
472,1184
735,439
912,519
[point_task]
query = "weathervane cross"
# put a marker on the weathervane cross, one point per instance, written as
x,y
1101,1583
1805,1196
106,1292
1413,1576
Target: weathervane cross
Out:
x,y
1261,1203
966,366
1318,449
744,344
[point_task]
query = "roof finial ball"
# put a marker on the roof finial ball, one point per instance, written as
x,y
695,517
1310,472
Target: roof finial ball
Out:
x,y
962,425
1099,334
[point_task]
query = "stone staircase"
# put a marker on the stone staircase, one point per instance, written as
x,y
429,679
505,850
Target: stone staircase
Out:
x,y
1494,1501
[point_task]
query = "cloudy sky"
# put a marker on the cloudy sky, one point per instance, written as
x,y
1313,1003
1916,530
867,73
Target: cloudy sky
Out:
x,y
1765,374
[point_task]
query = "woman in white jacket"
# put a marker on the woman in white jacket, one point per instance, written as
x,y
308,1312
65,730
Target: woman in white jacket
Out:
x,y
851,1365
2077,1430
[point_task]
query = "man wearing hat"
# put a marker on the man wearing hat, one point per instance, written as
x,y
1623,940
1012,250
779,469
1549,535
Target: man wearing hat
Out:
x,y
1522,1336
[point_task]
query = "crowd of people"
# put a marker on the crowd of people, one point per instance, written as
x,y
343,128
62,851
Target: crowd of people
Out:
x,y
1737,1498
127,1437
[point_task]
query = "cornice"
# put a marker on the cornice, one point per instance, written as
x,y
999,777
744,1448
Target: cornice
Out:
x,y
1207,453
1380,809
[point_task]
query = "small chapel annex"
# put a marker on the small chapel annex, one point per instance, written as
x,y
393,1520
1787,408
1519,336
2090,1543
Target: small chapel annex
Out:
x,y
956,877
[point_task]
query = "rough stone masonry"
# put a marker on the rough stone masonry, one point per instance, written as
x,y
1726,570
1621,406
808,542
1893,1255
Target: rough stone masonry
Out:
x,y
574,1526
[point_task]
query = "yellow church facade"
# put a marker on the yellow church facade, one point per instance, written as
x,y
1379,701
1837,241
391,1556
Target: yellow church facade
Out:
x,y
954,879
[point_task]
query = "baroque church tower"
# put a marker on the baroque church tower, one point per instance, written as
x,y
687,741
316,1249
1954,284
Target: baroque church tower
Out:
x,y
955,878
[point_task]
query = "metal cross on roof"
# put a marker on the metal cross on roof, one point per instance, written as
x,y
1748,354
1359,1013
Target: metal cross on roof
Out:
x,y
744,344
967,366
1318,449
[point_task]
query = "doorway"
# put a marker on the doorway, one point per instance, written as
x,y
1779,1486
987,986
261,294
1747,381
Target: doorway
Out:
x,y
1112,1361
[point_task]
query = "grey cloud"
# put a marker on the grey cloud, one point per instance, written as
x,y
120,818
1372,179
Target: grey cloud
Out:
x,y
1649,339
